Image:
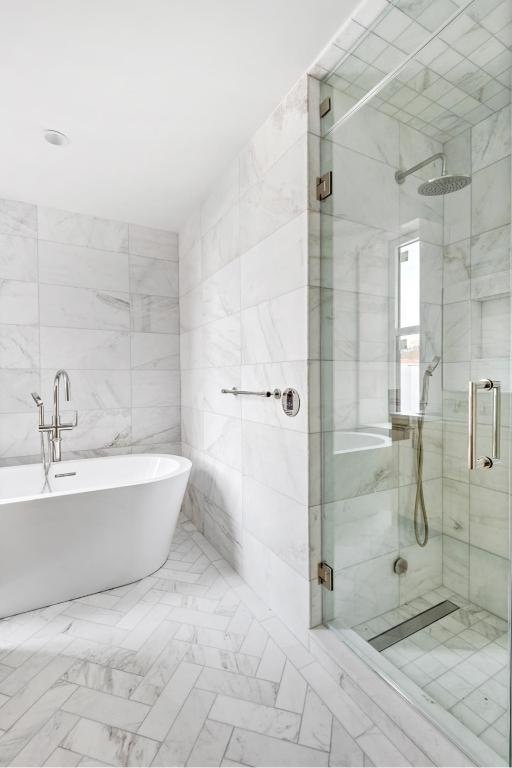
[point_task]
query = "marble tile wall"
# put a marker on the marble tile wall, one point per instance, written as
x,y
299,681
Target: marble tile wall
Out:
x,y
99,298
477,345
245,293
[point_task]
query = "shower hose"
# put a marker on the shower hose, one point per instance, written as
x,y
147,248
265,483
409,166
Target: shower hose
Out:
x,y
420,529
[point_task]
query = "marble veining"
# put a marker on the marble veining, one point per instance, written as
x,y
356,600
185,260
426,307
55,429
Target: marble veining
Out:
x,y
100,298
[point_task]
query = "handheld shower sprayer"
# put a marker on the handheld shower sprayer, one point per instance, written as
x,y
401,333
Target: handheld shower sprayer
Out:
x,y
419,502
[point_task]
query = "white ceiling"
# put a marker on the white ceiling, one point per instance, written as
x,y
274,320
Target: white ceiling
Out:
x,y
157,96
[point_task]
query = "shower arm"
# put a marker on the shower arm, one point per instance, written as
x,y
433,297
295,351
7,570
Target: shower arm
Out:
x,y
400,176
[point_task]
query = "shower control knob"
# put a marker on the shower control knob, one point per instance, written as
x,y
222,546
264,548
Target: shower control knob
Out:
x,y
290,401
400,566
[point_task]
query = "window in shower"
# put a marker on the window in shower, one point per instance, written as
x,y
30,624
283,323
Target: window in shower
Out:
x,y
408,330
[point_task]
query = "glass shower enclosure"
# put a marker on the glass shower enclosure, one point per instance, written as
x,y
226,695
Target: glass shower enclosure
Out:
x,y
415,359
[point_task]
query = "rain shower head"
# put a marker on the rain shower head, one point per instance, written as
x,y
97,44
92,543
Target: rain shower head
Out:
x,y
443,185
439,185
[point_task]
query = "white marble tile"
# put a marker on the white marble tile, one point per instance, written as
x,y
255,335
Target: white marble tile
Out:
x,y
16,387
238,686
18,258
457,216
158,314
276,330
286,125
19,346
368,132
277,457
164,712
63,757
155,351
100,678
277,265
278,522
156,277
258,717
340,704
365,590
98,430
278,197
248,748
363,527
219,295
456,272
221,199
18,302
219,246
456,566
106,708
187,727
28,726
155,388
18,704
65,264
456,509
113,746
77,229
261,568
490,263
83,308
315,729
456,331
153,243
154,425
221,343
488,515
84,349
222,439
490,139
18,435
292,691
367,192
190,269
488,578
91,390
211,744
18,218
490,202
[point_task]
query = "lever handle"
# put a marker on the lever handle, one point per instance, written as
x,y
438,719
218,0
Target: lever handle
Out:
x,y
73,424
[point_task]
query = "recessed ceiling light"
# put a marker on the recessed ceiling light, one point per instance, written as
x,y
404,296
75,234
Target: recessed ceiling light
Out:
x,y
56,138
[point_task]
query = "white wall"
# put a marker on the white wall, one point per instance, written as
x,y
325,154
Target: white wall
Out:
x,y
99,298
244,300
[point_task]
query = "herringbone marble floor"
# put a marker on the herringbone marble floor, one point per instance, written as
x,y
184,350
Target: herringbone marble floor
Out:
x,y
186,667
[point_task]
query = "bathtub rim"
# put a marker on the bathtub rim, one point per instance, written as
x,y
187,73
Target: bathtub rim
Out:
x,y
184,467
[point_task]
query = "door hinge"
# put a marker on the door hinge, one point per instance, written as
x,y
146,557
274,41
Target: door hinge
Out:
x,y
326,576
324,186
325,106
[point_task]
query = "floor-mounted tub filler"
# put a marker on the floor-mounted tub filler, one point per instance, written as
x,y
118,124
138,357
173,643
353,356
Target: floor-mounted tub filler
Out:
x,y
103,523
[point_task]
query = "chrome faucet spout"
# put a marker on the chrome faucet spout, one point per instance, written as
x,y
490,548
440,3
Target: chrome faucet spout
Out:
x,y
57,425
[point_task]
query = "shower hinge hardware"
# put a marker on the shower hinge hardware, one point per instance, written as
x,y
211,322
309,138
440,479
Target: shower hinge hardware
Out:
x,y
324,186
325,106
326,576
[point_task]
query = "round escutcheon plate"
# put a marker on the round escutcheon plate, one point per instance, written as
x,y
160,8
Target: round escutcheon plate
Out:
x,y
290,401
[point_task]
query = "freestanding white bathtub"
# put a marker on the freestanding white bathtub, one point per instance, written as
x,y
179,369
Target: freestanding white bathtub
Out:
x,y
106,522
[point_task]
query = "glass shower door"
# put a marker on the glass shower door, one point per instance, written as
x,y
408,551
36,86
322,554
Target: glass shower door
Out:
x,y
415,242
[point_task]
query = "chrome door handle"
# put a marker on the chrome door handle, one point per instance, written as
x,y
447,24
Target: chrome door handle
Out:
x,y
488,385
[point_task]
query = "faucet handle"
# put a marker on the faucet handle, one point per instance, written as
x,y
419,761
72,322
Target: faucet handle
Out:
x,y
73,424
